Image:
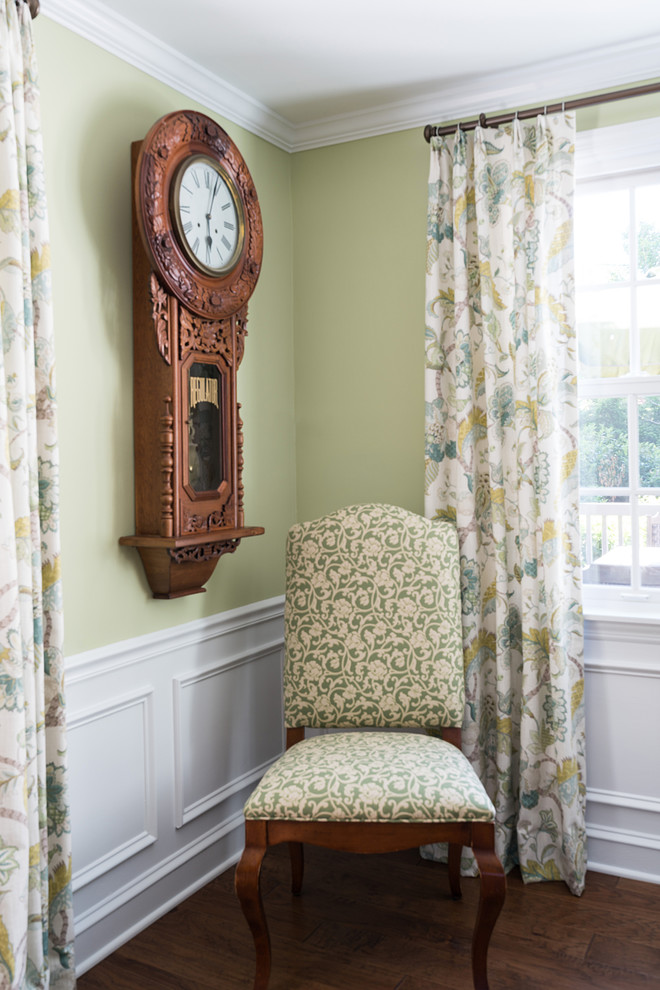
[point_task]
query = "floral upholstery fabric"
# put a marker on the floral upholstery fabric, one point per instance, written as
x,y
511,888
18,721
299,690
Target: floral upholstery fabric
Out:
x,y
373,621
371,776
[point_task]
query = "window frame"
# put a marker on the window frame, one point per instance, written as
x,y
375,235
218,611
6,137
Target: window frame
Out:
x,y
629,151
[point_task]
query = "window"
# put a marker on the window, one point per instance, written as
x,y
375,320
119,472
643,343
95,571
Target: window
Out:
x,y
617,269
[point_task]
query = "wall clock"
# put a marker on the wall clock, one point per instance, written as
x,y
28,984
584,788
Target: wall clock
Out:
x,y
197,249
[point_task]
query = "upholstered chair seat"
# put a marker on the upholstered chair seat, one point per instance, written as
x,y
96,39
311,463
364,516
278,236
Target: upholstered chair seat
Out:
x,y
373,642
371,777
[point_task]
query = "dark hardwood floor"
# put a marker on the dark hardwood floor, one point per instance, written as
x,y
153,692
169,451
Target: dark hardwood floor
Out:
x,y
388,923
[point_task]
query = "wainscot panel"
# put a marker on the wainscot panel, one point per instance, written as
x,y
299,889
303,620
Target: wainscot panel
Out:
x,y
622,676
167,735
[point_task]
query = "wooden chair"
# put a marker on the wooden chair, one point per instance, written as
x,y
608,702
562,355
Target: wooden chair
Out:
x,y
372,638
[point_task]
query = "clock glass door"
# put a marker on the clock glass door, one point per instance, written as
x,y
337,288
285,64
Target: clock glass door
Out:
x,y
205,454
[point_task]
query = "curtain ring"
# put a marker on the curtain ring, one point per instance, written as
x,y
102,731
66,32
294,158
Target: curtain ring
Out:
x,y
482,120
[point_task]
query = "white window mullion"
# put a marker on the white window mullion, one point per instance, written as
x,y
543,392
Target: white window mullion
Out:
x,y
632,255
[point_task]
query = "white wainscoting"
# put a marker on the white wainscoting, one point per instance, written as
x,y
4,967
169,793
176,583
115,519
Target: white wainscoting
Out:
x,y
167,735
622,660
169,732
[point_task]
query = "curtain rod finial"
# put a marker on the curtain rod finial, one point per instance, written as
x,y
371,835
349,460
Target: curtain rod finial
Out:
x,y
428,132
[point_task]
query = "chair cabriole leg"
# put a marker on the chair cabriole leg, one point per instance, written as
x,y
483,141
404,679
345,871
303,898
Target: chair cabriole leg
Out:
x,y
246,881
491,898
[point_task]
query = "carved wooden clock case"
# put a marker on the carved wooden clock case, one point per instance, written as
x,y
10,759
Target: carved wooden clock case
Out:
x,y
197,249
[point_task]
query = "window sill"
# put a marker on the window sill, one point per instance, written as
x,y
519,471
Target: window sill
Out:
x,y
646,616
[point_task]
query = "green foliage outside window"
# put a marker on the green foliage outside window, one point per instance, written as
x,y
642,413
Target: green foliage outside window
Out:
x,y
604,444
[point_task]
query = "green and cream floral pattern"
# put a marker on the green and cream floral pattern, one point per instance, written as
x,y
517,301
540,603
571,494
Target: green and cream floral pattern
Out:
x,y
501,463
371,776
36,918
372,621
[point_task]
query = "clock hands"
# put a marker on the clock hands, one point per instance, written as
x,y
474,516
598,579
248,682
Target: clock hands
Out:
x,y
209,238
212,197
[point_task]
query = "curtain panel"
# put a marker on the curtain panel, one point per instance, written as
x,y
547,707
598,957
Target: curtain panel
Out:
x,y
501,461
36,921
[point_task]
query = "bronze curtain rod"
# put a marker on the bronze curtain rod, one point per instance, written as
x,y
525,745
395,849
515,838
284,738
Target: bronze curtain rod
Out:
x,y
504,118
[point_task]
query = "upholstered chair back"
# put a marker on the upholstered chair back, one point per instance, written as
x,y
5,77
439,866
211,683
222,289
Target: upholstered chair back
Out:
x,y
373,621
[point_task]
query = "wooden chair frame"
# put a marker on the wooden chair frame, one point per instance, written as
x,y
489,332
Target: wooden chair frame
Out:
x,y
371,837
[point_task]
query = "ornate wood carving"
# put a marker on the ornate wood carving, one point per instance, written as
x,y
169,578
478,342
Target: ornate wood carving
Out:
x,y
169,141
203,551
196,523
241,334
239,458
207,336
160,309
167,468
202,523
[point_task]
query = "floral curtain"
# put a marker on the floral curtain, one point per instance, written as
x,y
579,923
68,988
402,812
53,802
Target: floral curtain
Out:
x,y
36,931
501,460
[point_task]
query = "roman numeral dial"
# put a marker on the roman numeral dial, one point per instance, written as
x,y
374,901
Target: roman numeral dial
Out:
x,y
208,215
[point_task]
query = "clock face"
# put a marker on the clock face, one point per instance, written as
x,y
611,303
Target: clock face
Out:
x,y
208,215
198,214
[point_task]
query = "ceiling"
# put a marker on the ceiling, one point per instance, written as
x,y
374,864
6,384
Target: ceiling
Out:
x,y
310,60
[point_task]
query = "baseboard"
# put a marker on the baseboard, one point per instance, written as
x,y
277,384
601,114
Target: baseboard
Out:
x,y
623,835
644,876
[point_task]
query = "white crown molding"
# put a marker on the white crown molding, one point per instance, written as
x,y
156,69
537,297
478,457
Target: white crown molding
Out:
x,y
546,82
117,35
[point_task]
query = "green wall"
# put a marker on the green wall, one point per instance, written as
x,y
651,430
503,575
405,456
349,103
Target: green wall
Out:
x,y
359,255
333,412
93,106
